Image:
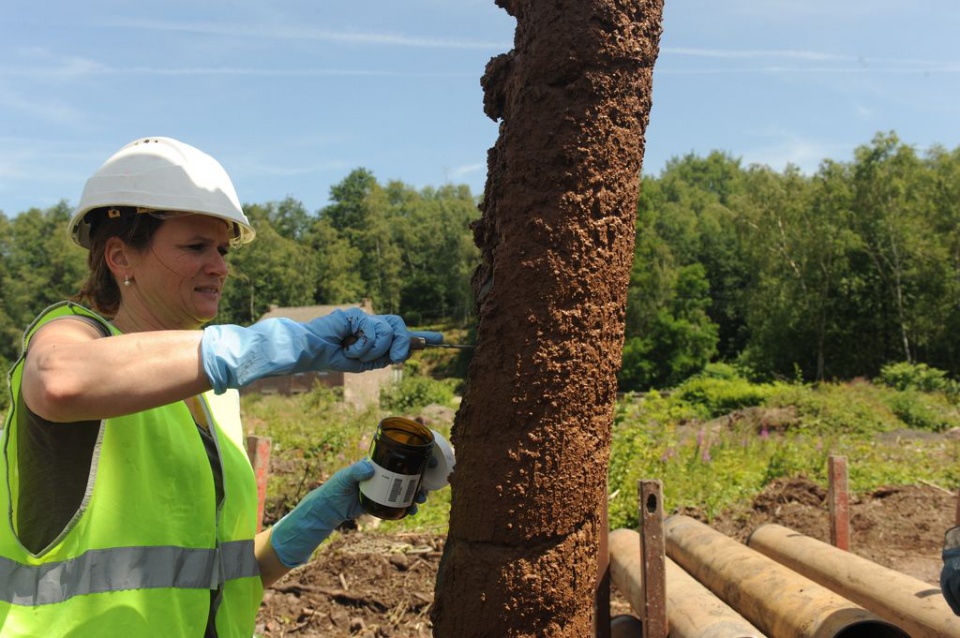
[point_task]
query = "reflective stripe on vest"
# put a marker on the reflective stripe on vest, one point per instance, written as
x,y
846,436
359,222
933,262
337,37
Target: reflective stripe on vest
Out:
x,y
121,568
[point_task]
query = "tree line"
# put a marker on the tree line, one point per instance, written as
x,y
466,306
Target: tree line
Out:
x,y
808,277
409,251
828,276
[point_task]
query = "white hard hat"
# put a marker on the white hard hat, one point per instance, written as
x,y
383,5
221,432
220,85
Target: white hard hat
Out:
x,y
159,174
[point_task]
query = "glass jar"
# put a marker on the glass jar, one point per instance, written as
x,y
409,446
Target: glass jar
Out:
x,y
399,452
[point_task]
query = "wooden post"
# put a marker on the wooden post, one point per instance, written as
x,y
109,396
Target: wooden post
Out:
x,y
653,554
958,508
601,610
258,449
839,502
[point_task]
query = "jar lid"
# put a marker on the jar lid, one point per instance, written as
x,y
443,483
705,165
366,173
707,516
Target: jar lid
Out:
x,y
437,477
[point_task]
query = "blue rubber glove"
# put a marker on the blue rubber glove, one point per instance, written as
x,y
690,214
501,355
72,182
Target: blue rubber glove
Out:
x,y
297,535
950,574
234,356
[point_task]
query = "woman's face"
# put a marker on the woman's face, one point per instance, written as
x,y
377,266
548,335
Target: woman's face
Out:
x,y
178,279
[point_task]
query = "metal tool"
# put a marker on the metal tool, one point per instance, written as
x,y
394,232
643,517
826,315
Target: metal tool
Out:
x,y
419,343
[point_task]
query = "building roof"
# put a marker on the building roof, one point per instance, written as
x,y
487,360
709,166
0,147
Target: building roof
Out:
x,y
308,313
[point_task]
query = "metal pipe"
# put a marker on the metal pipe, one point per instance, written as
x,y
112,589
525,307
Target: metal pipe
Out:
x,y
910,603
602,623
779,601
626,626
692,610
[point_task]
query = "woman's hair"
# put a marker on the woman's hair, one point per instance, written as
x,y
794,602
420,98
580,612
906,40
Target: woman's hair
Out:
x,y
134,229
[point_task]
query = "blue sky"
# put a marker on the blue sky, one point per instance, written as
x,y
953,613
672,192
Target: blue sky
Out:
x,y
291,95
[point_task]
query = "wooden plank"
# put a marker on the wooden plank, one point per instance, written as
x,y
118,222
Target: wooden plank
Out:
x,y
958,508
258,450
839,498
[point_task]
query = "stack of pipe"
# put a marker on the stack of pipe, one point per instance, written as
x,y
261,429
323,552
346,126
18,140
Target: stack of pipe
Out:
x,y
781,584
692,610
907,602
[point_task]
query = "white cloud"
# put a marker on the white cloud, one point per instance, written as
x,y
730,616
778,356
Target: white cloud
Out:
x,y
806,153
826,62
864,112
50,111
466,169
747,54
289,32
792,12
35,62
78,68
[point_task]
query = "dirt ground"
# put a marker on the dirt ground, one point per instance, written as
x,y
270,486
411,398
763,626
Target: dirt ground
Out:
x,y
368,584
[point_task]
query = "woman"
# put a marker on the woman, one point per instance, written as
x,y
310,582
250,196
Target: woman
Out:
x,y
130,506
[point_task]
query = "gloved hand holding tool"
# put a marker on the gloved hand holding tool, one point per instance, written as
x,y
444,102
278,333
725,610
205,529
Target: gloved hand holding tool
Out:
x,y
950,574
295,536
343,341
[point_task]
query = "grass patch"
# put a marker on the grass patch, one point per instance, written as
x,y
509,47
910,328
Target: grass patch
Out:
x,y
715,442
315,434
716,464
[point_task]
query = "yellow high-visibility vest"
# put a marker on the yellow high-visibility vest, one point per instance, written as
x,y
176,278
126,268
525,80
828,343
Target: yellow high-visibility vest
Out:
x,y
148,544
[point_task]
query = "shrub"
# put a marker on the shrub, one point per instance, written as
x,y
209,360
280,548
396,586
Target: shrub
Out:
x,y
910,376
854,408
720,396
922,411
415,392
720,370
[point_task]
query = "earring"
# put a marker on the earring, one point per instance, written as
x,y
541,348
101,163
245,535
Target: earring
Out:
x,y
126,281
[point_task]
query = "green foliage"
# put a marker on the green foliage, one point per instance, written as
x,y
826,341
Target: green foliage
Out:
x,y
708,462
40,266
704,469
314,435
715,395
399,247
4,386
910,376
857,408
836,275
272,270
415,392
677,341
711,466
719,370
654,407
924,411
843,274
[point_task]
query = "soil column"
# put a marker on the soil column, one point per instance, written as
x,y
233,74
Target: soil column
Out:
x,y
556,235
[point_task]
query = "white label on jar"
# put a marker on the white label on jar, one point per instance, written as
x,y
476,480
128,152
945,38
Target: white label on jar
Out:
x,y
389,488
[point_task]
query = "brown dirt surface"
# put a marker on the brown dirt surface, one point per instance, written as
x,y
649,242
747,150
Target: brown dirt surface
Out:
x,y
361,584
899,527
369,584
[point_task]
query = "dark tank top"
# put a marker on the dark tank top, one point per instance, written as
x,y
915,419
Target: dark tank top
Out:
x,y
55,461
